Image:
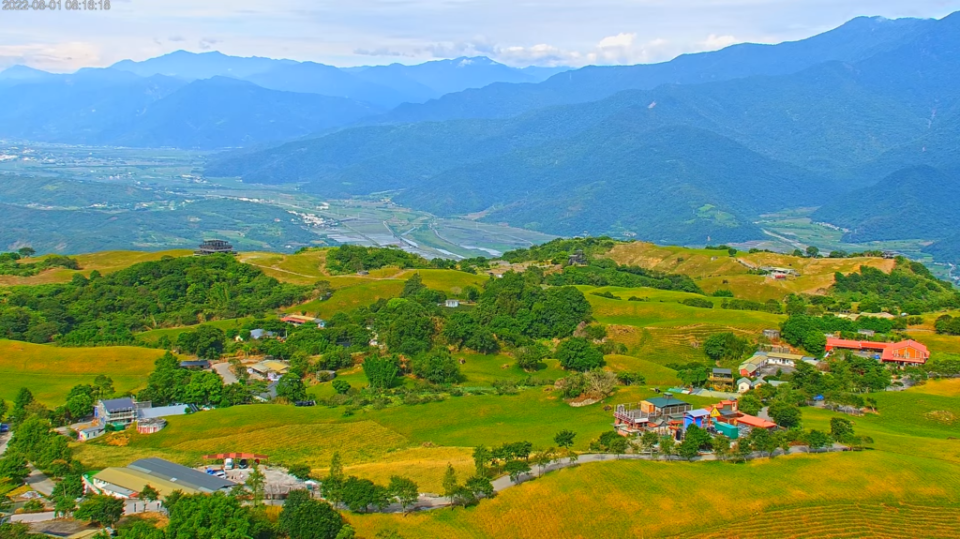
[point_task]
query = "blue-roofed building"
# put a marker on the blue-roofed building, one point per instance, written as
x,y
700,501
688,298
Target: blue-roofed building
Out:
x,y
695,417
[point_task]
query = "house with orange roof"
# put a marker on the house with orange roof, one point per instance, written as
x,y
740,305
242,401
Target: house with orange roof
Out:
x,y
903,353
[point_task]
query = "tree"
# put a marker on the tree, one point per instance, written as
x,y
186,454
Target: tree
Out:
x,y
103,386
688,449
256,482
303,517
437,367
332,485
149,494
341,386
208,516
516,469
412,286
209,342
785,414
619,445
300,471
450,484
565,439
383,372
404,491
63,506
813,252
742,449
579,354
14,467
530,358
291,387
361,494
667,445
26,252
840,428
725,346
749,404
543,459
762,441
721,446
102,510
815,342
481,455
479,487
817,439
600,382
23,399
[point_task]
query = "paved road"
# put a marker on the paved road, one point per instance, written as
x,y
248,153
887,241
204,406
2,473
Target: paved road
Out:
x,y
39,482
4,439
223,369
27,518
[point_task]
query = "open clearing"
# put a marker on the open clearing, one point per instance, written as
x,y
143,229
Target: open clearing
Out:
x,y
716,270
49,371
104,262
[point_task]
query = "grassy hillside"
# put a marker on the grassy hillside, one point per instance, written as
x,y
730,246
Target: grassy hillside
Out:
x,y
104,262
49,372
715,270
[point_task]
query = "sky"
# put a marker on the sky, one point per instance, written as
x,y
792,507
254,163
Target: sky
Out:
x,y
371,32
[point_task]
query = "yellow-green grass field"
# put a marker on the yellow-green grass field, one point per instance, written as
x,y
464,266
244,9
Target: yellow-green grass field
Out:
x,y
911,472
352,297
49,371
104,262
656,375
154,335
368,440
304,268
715,270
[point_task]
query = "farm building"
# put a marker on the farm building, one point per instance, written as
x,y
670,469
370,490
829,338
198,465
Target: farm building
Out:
x,y
257,334
660,414
151,426
89,433
270,369
902,353
753,422
160,474
298,320
120,411
752,365
699,417
452,303
146,412
744,385
772,334
211,247
721,377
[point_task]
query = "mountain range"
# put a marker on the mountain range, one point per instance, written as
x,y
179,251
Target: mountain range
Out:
x,y
683,163
690,151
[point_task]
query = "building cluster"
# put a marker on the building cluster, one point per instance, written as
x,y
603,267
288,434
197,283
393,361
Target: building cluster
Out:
x,y
669,416
213,247
164,476
118,414
904,353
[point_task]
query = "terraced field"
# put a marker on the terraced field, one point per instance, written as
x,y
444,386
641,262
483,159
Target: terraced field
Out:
x,y
715,270
891,521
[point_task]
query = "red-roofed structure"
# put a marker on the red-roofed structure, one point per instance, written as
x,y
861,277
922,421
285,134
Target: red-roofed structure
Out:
x,y
904,352
754,422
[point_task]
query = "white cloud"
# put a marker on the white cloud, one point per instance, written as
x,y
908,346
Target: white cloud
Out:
x,y
715,42
57,57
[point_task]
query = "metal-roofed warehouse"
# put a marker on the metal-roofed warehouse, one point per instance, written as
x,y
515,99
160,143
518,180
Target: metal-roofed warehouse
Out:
x,y
160,474
181,475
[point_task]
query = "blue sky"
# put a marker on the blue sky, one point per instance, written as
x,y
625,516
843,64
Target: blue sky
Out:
x,y
364,32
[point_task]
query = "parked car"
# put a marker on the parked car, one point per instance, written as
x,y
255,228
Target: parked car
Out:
x,y
4,428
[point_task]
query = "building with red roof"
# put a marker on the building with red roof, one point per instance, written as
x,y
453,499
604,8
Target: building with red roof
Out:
x,y
908,352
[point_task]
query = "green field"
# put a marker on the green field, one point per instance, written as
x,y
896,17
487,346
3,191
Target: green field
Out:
x,y
49,372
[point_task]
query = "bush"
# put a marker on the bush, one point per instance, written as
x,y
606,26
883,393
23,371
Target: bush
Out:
x,y
578,354
700,303
341,386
